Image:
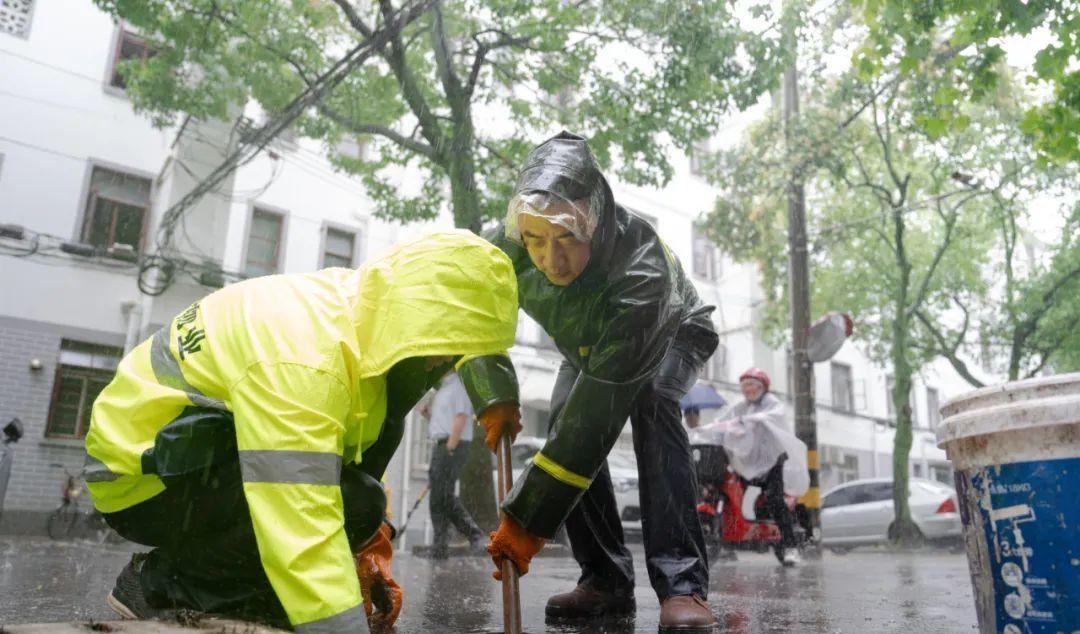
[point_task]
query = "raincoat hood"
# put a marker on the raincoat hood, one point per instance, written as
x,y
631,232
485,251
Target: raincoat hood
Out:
x,y
564,167
450,293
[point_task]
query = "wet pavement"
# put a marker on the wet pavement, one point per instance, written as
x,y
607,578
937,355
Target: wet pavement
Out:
x,y
864,591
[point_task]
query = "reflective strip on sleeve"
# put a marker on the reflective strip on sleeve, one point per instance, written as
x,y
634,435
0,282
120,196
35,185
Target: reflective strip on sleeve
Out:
x,y
469,357
351,620
291,467
167,371
560,473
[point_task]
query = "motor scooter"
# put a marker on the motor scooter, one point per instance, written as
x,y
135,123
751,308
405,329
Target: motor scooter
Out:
x,y
732,510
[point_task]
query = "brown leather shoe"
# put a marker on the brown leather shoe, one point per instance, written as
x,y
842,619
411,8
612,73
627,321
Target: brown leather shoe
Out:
x,y
685,614
584,602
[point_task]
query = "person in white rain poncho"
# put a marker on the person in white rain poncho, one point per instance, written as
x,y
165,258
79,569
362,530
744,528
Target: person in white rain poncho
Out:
x,y
762,450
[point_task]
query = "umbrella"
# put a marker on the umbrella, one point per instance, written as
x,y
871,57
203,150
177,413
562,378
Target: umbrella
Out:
x,y
702,396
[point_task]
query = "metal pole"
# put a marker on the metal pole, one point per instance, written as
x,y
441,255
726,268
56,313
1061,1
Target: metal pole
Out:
x,y
799,286
406,473
510,590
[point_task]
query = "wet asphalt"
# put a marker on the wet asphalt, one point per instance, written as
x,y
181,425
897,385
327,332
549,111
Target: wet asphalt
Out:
x,y
863,591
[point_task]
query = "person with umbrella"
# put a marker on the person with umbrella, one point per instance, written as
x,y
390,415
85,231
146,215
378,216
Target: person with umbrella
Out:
x,y
701,396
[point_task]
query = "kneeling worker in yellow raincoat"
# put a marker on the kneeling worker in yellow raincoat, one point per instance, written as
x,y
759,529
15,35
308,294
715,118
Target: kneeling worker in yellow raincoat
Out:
x,y
245,441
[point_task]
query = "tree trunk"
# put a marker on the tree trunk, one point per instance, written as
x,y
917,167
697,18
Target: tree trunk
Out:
x,y
477,483
903,530
464,200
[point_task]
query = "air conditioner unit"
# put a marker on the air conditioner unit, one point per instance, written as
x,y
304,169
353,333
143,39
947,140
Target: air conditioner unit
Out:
x,y
125,252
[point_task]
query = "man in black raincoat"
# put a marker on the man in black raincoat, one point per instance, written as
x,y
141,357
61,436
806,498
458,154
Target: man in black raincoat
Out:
x,y
634,335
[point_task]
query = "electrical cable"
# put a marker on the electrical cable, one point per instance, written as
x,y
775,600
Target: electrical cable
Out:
x,y
42,149
165,268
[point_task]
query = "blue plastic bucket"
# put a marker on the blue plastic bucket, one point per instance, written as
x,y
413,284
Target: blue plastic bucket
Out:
x,y
1016,452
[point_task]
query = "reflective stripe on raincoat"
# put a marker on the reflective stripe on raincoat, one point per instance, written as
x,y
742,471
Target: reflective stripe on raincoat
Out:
x,y
301,362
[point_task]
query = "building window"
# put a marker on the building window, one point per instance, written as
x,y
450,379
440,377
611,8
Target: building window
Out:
x,y
843,392
706,256
84,370
354,147
700,153
116,209
128,47
890,384
933,409
841,464
15,17
288,140
264,243
890,408
339,248
716,367
942,473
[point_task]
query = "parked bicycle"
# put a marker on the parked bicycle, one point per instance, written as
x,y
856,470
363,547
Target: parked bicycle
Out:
x,y
69,520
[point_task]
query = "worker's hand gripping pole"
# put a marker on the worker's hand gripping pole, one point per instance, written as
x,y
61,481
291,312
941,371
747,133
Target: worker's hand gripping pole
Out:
x,y
510,590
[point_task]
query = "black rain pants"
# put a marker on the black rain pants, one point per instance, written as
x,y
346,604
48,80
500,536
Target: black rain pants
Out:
x,y
675,553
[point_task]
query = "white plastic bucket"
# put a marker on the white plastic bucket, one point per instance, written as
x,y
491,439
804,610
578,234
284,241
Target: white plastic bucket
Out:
x,y
1016,452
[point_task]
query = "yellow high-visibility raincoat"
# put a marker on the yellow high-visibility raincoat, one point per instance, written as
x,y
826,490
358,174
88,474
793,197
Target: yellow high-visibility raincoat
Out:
x,y
301,363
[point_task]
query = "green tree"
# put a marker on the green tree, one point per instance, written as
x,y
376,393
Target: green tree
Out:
x,y
459,95
896,228
973,31
1032,320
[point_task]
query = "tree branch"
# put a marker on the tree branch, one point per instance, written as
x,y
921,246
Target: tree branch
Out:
x,y
949,352
483,48
497,154
946,242
1027,327
367,128
886,152
410,90
882,193
443,63
353,17
1048,351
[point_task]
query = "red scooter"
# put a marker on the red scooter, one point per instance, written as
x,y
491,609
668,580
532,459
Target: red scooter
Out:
x,y
720,509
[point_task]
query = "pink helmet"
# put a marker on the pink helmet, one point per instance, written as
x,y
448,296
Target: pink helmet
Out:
x,y
757,374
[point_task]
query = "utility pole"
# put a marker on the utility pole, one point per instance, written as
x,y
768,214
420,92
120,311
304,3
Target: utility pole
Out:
x,y
799,293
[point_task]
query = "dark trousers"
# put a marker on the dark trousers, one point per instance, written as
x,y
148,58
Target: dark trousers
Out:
x,y
446,508
773,490
204,553
675,555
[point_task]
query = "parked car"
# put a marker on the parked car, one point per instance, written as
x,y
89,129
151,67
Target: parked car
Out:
x,y
621,464
861,512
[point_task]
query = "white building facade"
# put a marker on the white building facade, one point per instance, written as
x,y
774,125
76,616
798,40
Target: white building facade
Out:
x,y
84,182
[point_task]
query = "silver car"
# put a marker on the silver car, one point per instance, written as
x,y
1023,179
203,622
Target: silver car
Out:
x,y
861,512
621,464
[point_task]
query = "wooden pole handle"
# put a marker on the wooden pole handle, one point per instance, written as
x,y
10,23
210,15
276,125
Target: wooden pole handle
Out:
x,y
510,589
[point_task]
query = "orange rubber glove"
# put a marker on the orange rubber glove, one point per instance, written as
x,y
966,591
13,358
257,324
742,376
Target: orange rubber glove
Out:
x,y
513,542
382,595
499,419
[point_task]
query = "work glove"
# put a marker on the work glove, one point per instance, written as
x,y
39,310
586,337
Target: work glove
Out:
x,y
513,542
382,595
499,419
